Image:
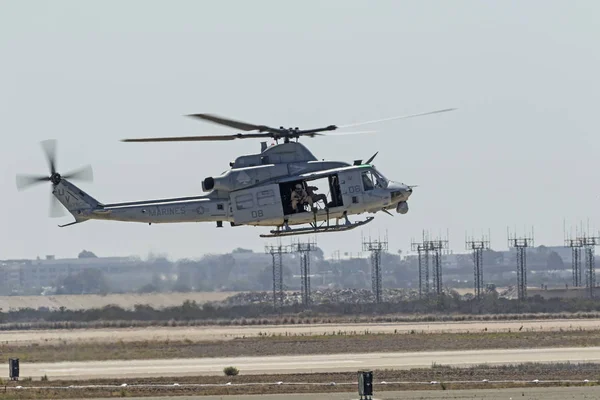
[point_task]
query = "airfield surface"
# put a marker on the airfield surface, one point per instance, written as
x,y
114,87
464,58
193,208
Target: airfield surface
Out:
x,y
302,364
545,393
211,333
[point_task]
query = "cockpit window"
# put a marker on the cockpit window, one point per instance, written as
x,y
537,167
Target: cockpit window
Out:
x,y
373,179
382,182
367,179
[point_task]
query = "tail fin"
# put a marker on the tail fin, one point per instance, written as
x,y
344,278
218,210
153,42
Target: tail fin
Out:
x,y
75,200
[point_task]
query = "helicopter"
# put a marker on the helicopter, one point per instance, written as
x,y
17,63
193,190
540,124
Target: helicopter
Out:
x,y
272,188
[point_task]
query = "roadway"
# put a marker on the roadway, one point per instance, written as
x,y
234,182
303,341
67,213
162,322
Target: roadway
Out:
x,y
538,393
301,364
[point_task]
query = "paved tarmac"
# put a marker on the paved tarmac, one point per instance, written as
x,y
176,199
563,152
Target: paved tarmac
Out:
x,y
549,393
301,364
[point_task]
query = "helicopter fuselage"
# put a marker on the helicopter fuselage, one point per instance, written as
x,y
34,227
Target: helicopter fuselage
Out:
x,y
272,188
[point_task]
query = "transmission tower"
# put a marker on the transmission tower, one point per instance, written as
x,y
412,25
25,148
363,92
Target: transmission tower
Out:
x,y
521,244
304,248
422,249
277,254
436,247
478,247
589,243
375,247
575,245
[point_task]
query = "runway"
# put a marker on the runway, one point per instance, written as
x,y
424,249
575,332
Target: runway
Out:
x,y
301,364
547,393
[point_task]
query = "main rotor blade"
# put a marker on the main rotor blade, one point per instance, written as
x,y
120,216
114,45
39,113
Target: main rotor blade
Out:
x,y
83,174
348,133
243,126
25,181
201,138
49,147
393,118
56,209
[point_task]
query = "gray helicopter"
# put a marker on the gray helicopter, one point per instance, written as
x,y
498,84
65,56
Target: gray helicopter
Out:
x,y
273,188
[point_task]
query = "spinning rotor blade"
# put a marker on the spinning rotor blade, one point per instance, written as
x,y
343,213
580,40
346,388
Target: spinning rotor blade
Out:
x,y
83,174
243,126
399,117
200,138
49,147
25,181
56,209
348,133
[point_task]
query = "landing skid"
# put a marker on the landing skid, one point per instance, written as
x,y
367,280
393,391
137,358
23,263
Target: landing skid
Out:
x,y
317,229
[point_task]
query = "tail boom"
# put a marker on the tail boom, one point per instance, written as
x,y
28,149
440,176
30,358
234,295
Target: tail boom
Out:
x,y
191,209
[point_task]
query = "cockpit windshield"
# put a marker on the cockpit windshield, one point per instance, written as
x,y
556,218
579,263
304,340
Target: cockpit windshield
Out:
x,y
382,182
373,179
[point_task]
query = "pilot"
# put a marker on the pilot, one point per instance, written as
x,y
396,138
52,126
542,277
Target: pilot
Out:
x,y
300,197
367,183
316,197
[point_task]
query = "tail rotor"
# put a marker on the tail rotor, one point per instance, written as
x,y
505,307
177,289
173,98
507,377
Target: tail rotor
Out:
x,y
25,181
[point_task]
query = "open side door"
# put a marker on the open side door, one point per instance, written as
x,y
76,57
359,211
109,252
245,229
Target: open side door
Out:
x,y
258,204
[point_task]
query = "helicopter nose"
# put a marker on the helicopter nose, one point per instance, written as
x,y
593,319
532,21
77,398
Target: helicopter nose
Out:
x,y
400,191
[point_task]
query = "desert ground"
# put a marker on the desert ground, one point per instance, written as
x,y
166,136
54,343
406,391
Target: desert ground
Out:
x,y
211,333
125,301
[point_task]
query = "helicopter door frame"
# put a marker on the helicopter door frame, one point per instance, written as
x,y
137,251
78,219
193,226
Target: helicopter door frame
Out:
x,y
257,206
352,188
332,184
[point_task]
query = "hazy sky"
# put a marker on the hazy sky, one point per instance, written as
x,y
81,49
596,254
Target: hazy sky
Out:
x,y
520,150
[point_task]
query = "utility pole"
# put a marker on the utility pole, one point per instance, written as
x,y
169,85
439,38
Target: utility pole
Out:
x,y
575,245
436,247
477,247
376,247
304,249
589,243
521,244
277,255
422,248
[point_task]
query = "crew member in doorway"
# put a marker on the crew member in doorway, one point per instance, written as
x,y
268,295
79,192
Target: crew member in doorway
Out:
x,y
299,198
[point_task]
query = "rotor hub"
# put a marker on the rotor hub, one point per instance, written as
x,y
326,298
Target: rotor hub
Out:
x,y
55,178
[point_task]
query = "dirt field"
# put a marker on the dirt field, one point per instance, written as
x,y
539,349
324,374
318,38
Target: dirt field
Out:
x,y
126,301
212,333
286,345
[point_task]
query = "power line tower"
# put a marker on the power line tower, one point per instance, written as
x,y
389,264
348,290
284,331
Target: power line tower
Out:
x,y
575,245
422,249
478,247
436,247
589,243
521,244
376,247
304,248
277,253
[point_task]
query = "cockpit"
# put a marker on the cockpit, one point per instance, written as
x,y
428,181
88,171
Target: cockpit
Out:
x,y
372,179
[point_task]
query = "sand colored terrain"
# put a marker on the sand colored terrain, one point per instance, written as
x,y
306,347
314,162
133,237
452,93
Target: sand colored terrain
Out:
x,y
126,301
211,333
